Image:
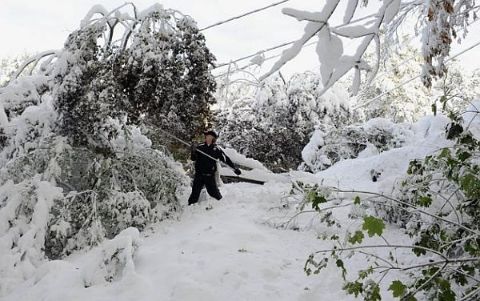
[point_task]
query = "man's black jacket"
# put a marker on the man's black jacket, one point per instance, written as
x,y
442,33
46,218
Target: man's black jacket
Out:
x,y
205,165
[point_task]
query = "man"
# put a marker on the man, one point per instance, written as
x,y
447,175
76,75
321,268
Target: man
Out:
x,y
205,167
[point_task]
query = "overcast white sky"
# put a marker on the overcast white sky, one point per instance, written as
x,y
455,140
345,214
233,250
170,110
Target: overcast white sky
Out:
x,y
36,25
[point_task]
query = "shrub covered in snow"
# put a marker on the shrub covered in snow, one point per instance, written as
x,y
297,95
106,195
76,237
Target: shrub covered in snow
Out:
x,y
76,164
436,204
330,145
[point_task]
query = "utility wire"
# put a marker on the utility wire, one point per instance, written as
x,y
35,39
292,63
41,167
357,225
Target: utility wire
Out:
x,y
254,54
244,15
415,77
285,44
252,64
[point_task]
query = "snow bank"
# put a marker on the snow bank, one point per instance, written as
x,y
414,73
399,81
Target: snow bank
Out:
x,y
428,137
70,279
24,211
243,160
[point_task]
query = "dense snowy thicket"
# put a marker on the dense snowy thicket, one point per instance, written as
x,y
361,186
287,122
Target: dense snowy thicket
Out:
x,y
330,145
76,128
319,130
273,122
428,188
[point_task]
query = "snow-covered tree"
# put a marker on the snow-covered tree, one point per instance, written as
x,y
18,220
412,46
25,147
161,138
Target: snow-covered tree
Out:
x,y
438,20
406,103
457,90
157,74
388,96
387,111
77,162
275,121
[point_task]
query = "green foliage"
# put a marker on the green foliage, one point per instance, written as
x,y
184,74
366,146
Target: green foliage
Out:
x,y
438,205
315,196
357,237
424,201
316,199
373,226
354,288
398,288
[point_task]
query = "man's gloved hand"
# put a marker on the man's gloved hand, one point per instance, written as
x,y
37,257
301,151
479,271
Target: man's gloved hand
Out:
x,y
237,171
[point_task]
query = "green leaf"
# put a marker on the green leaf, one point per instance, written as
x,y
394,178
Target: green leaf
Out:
x,y
339,263
454,130
357,200
398,288
447,295
444,153
462,156
470,184
356,238
373,292
443,99
373,225
424,201
316,199
353,288
434,109
362,274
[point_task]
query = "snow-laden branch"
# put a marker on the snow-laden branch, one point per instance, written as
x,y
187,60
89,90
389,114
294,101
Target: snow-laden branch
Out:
x,y
33,62
311,29
156,17
334,64
439,26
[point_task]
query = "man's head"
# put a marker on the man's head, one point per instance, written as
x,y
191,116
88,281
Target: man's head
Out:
x,y
210,137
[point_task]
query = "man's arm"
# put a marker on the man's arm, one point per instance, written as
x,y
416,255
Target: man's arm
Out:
x,y
193,151
224,158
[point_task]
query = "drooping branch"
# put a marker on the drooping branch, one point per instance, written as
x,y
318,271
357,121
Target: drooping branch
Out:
x,y
32,62
439,20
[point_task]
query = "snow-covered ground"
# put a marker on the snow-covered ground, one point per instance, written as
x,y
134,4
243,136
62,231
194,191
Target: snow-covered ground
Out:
x,y
230,249
229,252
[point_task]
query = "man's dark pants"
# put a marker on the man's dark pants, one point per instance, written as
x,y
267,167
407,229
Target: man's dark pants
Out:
x,y
199,181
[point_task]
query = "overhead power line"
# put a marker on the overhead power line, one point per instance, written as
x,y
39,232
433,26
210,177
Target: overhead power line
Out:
x,y
254,54
252,64
244,15
284,44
